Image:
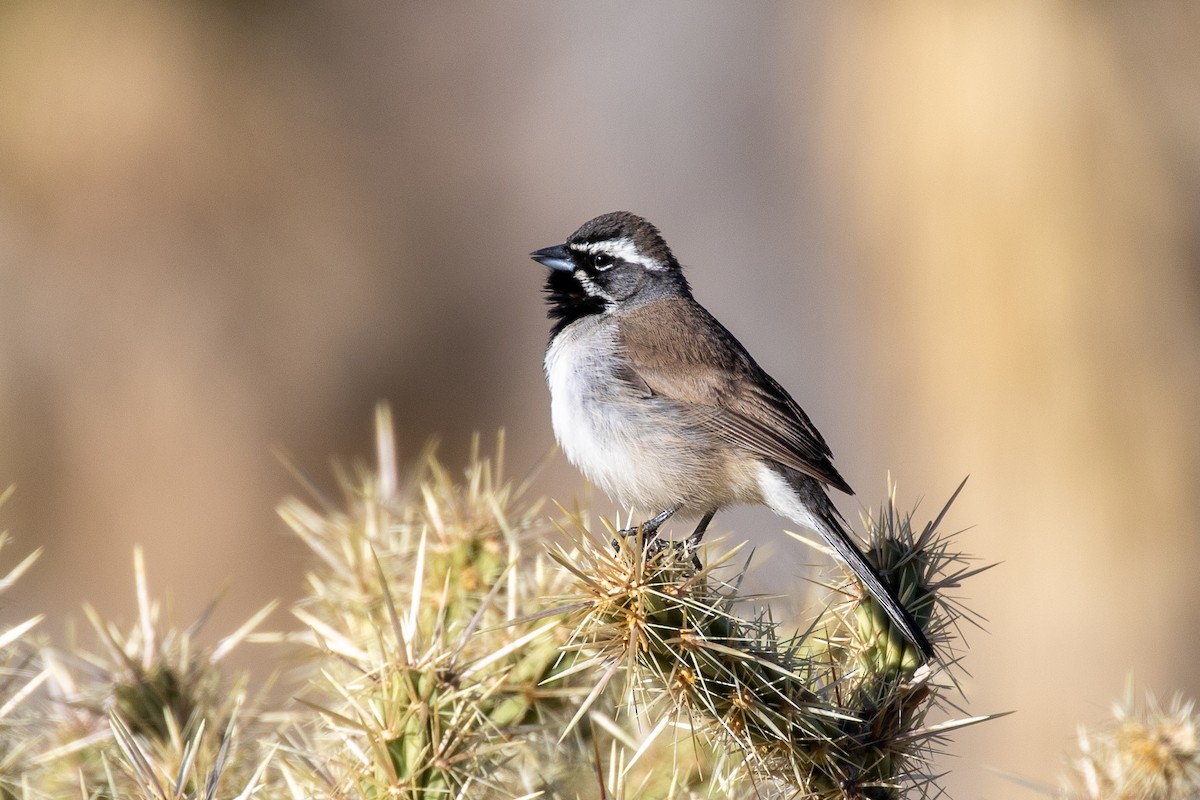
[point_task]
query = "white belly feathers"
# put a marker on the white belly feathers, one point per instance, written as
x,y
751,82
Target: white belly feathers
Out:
x,y
616,435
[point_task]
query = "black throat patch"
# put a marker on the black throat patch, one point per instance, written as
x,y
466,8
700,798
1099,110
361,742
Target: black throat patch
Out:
x,y
568,301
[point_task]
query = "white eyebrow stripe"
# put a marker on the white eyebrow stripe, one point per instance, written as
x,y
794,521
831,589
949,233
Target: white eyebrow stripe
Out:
x,y
623,249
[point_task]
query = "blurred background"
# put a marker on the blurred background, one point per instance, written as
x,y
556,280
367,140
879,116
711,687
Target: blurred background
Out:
x,y
964,236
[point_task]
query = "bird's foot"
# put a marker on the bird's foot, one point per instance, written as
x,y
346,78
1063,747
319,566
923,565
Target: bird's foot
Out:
x,y
652,544
648,530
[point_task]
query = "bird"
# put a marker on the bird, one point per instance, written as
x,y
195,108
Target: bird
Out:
x,y
658,404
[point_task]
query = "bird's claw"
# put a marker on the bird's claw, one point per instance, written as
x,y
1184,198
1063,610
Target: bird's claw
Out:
x,y
653,544
648,530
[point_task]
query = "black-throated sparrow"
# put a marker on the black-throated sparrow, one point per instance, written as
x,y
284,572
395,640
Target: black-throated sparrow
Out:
x,y
659,404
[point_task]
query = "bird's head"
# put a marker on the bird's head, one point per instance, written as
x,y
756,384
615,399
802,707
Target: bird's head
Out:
x,y
615,260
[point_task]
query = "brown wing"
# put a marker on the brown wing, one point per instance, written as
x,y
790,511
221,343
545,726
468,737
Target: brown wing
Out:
x,y
679,352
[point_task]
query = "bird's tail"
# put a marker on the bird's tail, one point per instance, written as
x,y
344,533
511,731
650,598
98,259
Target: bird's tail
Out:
x,y
833,532
808,505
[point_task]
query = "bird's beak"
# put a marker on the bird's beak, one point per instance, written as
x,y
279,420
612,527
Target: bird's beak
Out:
x,y
556,257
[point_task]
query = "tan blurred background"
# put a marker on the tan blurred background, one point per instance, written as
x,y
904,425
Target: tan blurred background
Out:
x,y
965,236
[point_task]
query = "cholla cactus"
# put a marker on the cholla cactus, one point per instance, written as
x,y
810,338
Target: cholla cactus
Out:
x,y
149,714
457,660
451,654
20,676
429,597
130,720
1148,753
835,714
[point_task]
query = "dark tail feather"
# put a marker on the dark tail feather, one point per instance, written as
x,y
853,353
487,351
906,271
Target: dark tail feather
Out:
x,y
835,534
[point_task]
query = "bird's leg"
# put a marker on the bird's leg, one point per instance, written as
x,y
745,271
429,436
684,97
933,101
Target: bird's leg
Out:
x,y
692,543
649,530
650,527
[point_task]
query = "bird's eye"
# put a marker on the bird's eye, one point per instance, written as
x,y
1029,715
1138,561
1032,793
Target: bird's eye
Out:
x,y
602,261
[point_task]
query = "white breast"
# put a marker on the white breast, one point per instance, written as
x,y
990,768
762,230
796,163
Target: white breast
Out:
x,y
631,446
588,425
